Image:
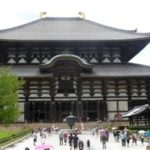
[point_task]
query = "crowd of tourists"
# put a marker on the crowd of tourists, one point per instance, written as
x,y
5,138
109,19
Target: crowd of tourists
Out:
x,y
127,137
68,137
72,138
124,136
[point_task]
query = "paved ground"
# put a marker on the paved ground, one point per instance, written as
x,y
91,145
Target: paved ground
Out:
x,y
95,144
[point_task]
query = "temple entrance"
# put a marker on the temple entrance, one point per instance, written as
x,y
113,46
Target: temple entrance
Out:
x,y
38,112
64,108
92,116
93,111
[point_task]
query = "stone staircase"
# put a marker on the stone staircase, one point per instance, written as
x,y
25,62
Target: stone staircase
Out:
x,y
84,125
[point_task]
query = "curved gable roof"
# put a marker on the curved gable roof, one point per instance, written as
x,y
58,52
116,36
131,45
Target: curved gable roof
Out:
x,y
69,29
70,57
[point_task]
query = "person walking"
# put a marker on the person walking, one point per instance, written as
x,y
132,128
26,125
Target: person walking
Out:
x,y
88,144
61,138
103,138
81,145
142,138
65,136
43,138
134,139
128,136
34,139
70,140
123,138
75,141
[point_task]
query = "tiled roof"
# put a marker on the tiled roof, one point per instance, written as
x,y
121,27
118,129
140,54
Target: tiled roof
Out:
x,y
121,70
112,70
68,29
136,110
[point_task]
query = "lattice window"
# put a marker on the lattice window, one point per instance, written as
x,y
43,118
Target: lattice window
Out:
x,y
45,89
106,57
66,86
85,89
110,89
116,57
35,56
138,89
116,90
93,58
11,55
22,55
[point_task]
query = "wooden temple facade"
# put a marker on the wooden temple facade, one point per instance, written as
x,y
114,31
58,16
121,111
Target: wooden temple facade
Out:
x,y
75,65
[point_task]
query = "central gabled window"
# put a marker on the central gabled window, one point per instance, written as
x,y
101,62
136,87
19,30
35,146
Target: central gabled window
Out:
x,y
65,85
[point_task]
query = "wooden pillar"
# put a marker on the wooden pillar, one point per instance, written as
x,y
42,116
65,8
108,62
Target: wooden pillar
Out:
x,y
79,102
104,103
81,110
78,110
52,104
87,110
33,111
27,104
59,111
129,94
98,110
48,113
26,112
2,55
72,107
53,111
130,121
45,112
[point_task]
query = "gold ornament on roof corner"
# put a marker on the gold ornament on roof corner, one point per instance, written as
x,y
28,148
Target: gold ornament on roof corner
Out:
x,y
42,13
82,14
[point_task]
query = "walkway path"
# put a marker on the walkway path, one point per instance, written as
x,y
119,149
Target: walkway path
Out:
x,y
95,144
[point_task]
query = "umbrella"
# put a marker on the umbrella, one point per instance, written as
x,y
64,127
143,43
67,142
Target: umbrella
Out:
x,y
141,132
101,130
147,134
44,147
114,128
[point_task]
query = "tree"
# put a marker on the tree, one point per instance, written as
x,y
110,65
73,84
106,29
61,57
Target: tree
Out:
x,y
9,96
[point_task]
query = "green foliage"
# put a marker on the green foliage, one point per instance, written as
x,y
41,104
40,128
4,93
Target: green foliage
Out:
x,y
146,128
9,136
4,134
9,96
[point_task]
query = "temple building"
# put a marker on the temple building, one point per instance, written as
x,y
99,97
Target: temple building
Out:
x,y
75,65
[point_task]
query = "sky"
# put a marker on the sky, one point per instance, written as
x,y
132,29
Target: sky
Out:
x,y
122,14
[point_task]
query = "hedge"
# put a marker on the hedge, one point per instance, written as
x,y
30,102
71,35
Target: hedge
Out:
x,y
15,136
